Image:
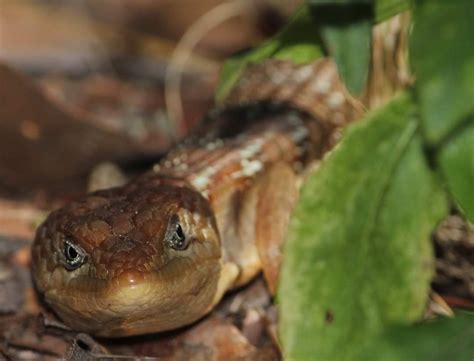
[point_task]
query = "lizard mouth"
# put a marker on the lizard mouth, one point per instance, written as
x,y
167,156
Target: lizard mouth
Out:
x,y
136,303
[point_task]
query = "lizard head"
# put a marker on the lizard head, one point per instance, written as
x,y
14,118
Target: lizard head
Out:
x,y
141,258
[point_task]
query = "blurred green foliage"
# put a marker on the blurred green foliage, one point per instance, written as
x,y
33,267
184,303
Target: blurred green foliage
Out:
x,y
456,161
302,40
442,55
298,42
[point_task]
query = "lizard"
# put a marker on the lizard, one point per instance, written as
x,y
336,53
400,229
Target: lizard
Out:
x,y
160,252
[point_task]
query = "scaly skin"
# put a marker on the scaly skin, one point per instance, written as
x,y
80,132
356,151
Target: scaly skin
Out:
x,y
160,252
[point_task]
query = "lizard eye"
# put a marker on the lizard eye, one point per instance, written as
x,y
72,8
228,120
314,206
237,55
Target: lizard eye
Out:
x,y
74,255
176,238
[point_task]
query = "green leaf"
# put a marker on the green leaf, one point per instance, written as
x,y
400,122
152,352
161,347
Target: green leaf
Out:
x,y
385,9
358,255
449,339
442,55
456,160
297,42
347,32
350,48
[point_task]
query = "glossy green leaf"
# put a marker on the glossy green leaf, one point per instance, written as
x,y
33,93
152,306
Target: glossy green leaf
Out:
x,y
297,42
456,160
442,55
358,255
441,340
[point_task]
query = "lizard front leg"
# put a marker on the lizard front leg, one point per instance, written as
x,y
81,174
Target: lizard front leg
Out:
x,y
278,195
261,224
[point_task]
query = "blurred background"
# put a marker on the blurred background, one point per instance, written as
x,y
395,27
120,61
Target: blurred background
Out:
x,y
86,81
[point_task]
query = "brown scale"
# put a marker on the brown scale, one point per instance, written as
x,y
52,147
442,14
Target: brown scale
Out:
x,y
160,252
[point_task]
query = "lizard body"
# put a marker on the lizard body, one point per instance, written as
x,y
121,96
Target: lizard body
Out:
x,y
159,252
